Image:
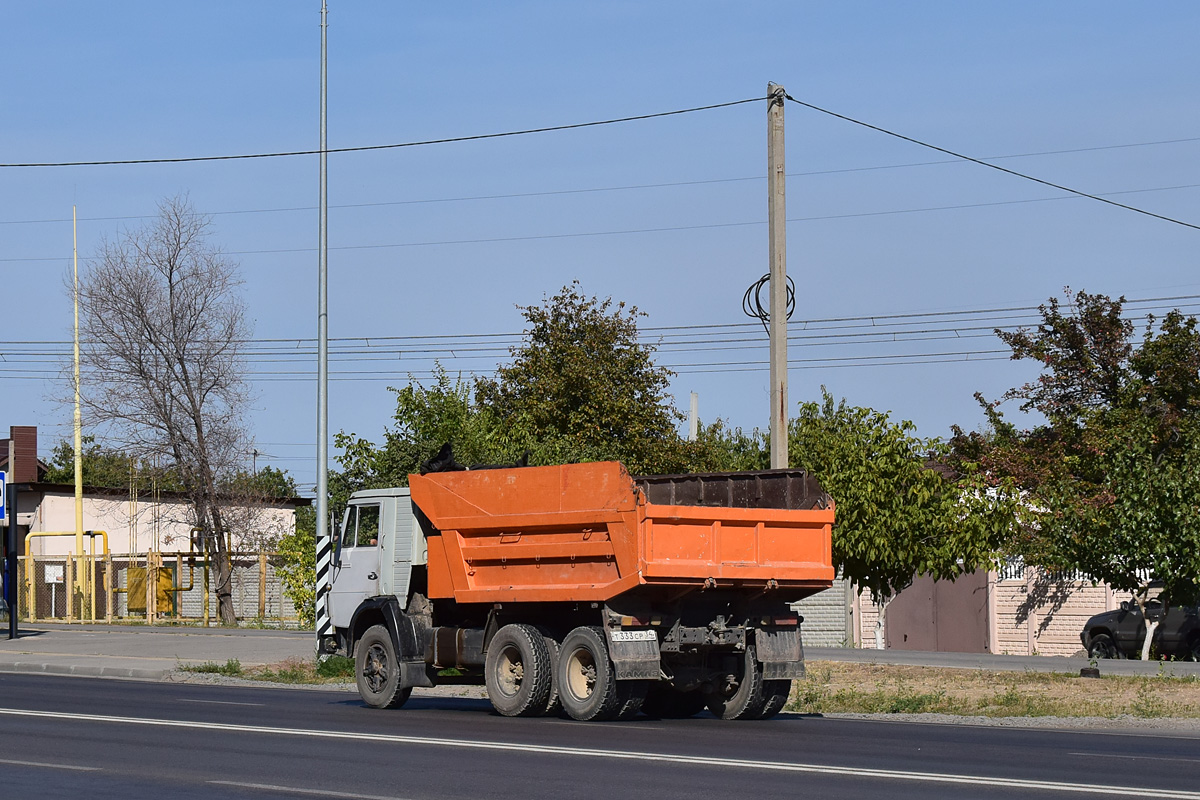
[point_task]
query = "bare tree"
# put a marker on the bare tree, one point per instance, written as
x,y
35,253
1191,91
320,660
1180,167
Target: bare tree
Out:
x,y
162,330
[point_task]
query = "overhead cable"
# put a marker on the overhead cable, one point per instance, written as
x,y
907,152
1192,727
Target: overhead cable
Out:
x,y
449,140
997,167
640,186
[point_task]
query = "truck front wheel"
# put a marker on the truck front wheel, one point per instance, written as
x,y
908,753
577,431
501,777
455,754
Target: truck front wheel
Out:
x,y
587,681
518,671
377,670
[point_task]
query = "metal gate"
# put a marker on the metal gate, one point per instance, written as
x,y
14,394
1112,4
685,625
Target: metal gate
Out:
x,y
941,616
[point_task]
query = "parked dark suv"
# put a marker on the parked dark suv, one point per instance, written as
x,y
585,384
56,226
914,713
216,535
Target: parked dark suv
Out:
x,y
1120,633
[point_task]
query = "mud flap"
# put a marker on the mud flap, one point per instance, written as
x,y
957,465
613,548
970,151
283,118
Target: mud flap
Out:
x,y
634,658
781,653
414,673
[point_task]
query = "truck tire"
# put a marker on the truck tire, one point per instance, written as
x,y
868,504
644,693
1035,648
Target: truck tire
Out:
x,y
554,702
377,670
587,682
746,701
518,671
664,701
776,695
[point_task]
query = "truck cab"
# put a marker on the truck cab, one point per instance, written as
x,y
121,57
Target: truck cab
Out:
x,y
379,544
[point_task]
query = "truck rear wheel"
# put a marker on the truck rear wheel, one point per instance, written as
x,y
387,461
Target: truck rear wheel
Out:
x,y
745,699
776,694
518,671
377,670
553,702
587,681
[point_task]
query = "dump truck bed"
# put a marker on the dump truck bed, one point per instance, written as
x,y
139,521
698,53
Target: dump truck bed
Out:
x,y
589,532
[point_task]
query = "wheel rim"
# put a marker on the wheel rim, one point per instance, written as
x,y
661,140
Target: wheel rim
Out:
x,y
580,673
510,671
375,668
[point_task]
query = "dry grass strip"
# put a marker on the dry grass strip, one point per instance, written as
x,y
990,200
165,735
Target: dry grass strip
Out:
x,y
892,689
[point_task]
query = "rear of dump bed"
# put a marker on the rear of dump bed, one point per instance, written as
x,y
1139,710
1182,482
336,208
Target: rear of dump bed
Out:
x,y
590,532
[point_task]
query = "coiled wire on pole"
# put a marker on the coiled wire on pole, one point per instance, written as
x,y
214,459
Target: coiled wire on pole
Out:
x,y
752,304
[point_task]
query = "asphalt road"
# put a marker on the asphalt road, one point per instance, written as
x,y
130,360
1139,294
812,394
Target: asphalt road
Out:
x,y
122,739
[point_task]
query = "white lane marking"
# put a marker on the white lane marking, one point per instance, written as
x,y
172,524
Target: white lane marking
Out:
x,y
48,766
623,755
1136,758
220,702
1128,734
270,787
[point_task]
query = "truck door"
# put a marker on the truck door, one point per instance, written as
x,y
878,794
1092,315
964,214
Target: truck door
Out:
x,y
356,575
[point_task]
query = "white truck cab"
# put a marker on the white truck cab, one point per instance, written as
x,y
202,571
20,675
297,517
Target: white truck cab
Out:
x,y
379,544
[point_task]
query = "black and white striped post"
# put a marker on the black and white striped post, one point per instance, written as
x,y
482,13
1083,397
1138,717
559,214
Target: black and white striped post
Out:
x,y
324,583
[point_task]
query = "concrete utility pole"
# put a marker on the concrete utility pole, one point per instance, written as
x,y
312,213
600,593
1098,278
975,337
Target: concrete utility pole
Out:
x,y
324,542
777,232
80,587
694,418
10,565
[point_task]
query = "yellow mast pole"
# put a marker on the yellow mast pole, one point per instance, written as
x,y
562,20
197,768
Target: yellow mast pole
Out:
x,y
80,578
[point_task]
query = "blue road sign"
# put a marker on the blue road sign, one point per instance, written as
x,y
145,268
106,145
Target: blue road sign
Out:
x,y
3,495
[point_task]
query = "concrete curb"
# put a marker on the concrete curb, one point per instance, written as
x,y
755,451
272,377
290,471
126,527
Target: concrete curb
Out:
x,y
85,671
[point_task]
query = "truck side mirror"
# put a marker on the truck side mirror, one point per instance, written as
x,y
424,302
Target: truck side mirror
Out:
x,y
1124,605
335,531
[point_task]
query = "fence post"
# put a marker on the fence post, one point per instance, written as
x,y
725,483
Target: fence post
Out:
x,y
151,587
92,582
108,588
69,581
206,588
262,585
31,590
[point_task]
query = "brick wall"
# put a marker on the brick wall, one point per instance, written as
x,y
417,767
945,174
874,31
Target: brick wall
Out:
x,y
825,617
1039,616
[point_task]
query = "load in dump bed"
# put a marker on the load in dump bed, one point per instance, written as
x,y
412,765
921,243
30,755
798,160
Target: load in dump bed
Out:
x,y
579,588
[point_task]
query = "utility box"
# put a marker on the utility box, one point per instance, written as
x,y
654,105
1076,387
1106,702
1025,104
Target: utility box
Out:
x,y
135,580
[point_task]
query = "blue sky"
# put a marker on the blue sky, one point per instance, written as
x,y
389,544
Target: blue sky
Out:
x,y
135,80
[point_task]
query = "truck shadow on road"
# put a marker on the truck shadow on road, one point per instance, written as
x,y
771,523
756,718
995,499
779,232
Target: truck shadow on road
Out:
x,y
427,703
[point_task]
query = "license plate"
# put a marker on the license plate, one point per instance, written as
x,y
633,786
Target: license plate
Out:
x,y
633,636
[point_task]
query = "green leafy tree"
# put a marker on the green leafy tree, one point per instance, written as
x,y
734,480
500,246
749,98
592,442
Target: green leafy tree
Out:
x,y
298,565
900,512
720,448
1112,474
426,417
582,387
268,483
105,467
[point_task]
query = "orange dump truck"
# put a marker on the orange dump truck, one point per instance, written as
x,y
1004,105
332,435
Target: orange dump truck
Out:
x,y
580,589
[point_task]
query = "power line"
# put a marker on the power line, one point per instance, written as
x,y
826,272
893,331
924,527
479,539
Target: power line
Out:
x,y
957,318
365,148
994,166
638,186
674,228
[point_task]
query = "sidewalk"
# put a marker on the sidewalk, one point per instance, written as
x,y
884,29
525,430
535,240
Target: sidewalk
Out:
x,y
149,653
